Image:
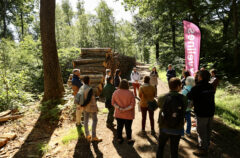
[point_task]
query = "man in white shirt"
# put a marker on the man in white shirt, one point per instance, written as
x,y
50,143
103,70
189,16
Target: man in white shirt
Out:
x,y
135,78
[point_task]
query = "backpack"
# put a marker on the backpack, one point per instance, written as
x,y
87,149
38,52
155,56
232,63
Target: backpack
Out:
x,y
173,111
79,98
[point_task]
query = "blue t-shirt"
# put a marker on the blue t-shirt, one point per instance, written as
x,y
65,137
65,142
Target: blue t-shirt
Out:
x,y
76,81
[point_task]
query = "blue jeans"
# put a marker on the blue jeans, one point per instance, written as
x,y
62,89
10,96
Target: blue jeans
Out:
x,y
189,123
94,123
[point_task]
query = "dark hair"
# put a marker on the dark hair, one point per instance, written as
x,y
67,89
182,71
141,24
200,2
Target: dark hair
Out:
x,y
146,79
174,83
186,74
117,72
124,84
154,72
213,71
109,78
86,79
205,75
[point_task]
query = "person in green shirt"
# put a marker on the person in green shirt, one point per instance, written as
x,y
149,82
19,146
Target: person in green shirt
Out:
x,y
171,118
107,93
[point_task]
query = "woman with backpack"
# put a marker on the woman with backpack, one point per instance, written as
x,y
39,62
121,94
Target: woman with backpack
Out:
x,y
190,82
124,102
147,93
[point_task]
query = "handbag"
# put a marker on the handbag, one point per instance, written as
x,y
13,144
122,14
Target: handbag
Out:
x,y
152,105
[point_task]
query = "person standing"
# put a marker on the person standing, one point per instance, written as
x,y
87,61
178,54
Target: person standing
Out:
x,y
170,72
214,81
147,93
190,82
76,85
171,118
108,73
90,108
135,78
117,78
154,78
185,75
202,96
107,93
124,102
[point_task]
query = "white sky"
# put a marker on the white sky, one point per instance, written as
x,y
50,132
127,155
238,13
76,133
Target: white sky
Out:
x,y
118,9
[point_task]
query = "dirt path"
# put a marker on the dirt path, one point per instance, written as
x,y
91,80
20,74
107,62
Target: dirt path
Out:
x,y
61,140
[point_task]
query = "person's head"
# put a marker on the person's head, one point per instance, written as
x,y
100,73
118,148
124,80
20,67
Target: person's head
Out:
x,y
86,80
76,72
170,67
175,84
190,81
204,75
154,69
108,72
186,74
213,72
118,72
146,79
124,84
109,79
135,69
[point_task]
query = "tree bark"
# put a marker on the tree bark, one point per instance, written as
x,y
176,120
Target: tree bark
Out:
x,y
157,49
236,32
3,13
173,28
195,16
22,24
53,83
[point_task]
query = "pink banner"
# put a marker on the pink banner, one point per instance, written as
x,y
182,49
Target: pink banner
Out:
x,y
192,38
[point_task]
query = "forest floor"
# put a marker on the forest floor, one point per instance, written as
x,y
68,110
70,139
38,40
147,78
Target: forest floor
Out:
x,y
61,139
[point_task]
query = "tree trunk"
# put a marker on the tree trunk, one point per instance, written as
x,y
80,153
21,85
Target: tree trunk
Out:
x,y
22,24
236,32
3,13
173,27
157,50
195,19
53,83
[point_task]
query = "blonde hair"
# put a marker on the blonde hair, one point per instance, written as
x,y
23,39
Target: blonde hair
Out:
x,y
190,81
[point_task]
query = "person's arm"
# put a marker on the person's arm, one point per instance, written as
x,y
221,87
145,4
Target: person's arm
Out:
x,y
89,96
140,94
161,101
131,106
131,76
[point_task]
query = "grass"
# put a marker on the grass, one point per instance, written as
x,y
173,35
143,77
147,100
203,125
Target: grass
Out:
x,y
228,107
74,134
43,147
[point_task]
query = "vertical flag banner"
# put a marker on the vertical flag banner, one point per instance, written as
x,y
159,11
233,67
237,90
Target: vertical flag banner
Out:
x,y
192,38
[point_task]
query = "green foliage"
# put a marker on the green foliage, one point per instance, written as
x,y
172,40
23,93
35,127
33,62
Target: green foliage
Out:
x,y
43,147
74,134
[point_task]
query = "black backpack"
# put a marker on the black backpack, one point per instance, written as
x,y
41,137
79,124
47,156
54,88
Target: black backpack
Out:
x,y
173,111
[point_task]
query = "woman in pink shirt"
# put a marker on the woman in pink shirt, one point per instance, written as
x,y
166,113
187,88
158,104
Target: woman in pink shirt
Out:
x,y
124,102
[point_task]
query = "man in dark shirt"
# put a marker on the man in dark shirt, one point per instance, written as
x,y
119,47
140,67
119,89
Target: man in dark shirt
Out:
x,y
170,72
204,107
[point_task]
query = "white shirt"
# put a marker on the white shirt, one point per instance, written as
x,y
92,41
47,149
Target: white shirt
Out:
x,y
135,76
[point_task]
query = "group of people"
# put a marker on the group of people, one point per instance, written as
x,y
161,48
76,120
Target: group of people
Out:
x,y
175,106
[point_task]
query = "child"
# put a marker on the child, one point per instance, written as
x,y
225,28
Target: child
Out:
x,y
190,82
171,117
90,108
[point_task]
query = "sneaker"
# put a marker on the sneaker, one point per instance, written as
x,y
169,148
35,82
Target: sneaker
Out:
x,y
130,141
120,141
96,139
153,132
88,138
200,152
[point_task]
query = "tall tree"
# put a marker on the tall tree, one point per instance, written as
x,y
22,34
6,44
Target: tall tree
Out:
x,y
53,83
68,10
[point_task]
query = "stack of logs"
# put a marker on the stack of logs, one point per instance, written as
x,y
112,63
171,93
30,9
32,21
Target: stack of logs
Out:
x,y
93,63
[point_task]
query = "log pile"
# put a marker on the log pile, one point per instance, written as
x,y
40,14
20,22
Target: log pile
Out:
x,y
6,138
93,63
9,115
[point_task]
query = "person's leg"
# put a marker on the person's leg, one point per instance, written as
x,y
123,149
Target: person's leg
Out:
x,y
174,143
78,114
156,90
209,130
134,88
189,123
120,124
151,117
162,140
128,128
110,117
86,118
144,115
137,87
94,124
202,132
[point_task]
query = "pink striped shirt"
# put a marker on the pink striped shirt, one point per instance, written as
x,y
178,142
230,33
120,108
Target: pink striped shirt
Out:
x,y
124,98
